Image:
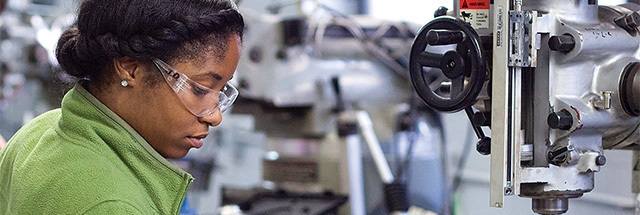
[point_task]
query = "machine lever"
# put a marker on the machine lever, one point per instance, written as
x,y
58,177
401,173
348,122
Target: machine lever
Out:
x,y
484,143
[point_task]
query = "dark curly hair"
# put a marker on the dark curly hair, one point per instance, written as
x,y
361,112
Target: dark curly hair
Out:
x,y
171,30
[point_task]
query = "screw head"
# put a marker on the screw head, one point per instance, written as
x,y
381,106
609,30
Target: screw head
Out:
x,y
601,160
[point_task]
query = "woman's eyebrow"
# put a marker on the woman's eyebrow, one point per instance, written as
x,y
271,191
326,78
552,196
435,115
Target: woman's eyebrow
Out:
x,y
209,74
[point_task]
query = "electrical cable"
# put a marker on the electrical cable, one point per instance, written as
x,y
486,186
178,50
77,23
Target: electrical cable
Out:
x,y
447,194
463,159
370,45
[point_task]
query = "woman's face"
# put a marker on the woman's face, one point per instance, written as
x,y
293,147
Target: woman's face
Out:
x,y
165,122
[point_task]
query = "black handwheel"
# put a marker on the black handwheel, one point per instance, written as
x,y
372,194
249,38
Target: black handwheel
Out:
x,y
465,66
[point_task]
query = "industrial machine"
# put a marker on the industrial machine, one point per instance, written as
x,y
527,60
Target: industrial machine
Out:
x,y
557,83
29,84
325,88
297,77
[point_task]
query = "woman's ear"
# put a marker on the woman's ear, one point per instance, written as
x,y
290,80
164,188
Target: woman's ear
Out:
x,y
128,69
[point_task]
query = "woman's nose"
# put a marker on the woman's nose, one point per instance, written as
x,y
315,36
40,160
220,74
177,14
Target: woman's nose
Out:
x,y
212,120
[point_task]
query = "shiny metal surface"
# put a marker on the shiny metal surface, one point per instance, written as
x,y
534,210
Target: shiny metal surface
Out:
x,y
585,81
550,205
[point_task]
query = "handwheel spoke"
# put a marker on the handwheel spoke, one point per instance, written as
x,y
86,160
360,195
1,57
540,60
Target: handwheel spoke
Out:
x,y
457,86
430,59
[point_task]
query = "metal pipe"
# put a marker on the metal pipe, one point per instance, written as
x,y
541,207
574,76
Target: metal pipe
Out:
x,y
356,187
366,129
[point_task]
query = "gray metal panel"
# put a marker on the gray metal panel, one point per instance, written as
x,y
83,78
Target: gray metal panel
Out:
x,y
541,111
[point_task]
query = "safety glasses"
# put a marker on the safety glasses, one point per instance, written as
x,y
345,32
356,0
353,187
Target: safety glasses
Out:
x,y
201,101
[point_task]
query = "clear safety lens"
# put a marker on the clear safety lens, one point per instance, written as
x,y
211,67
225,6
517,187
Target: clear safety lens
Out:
x,y
200,100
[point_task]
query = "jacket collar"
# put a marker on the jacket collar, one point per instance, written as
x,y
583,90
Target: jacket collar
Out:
x,y
81,103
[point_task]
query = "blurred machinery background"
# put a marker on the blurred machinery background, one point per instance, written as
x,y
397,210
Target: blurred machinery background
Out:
x,y
307,65
30,84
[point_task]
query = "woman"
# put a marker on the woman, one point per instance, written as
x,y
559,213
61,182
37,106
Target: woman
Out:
x,y
152,78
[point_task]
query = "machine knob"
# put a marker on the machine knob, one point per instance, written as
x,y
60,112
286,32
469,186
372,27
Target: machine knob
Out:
x,y
629,21
441,11
564,43
560,120
484,146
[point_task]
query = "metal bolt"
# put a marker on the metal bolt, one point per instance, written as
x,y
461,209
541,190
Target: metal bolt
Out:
x,y
601,160
633,19
629,21
563,43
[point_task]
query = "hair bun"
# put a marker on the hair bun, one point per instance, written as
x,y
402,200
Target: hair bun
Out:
x,y
66,51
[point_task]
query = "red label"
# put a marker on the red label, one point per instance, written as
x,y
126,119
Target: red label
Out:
x,y
474,4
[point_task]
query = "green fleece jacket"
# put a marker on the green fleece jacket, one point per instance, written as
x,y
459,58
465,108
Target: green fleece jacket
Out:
x,y
84,159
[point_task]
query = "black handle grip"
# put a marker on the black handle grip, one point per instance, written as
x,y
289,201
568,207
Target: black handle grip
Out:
x,y
444,37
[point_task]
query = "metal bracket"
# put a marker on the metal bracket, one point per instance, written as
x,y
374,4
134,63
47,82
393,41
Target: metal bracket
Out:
x,y
523,36
587,162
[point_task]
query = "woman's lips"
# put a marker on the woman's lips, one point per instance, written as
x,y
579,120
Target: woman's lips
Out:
x,y
196,142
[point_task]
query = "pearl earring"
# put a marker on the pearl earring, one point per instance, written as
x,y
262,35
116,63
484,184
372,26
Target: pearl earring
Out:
x,y
124,83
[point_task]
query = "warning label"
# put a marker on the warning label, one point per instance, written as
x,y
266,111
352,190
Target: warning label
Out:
x,y
474,4
475,12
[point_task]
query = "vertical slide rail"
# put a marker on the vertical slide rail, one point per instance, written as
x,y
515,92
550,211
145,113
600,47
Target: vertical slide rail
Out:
x,y
500,103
